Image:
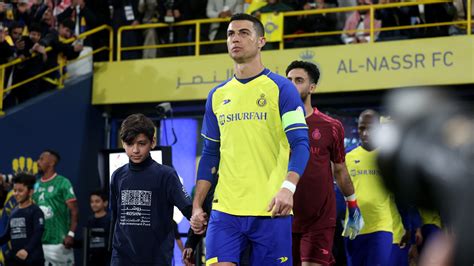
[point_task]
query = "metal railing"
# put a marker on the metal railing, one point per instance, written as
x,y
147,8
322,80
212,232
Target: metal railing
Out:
x,y
371,8
59,67
197,43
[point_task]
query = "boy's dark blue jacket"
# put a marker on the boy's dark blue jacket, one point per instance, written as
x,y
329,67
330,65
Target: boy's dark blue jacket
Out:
x,y
142,198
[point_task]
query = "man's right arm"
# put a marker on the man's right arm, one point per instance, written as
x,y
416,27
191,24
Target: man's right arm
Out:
x,y
207,165
343,179
206,172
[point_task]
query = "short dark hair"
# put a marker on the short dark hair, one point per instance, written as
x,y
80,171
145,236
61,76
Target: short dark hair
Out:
x,y
370,112
27,180
68,23
135,125
35,27
310,68
100,194
15,25
257,24
55,155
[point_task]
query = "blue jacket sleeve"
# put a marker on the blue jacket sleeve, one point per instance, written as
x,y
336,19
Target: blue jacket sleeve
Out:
x,y
299,144
178,195
38,228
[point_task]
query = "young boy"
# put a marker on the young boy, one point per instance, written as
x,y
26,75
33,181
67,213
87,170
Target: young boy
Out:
x,y
25,226
142,196
98,227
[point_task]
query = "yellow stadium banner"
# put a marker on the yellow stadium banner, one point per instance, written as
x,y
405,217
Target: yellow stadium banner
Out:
x,y
357,67
273,25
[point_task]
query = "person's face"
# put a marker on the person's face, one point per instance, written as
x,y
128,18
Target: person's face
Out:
x,y
35,36
16,33
366,123
48,17
97,204
22,7
139,149
22,193
65,32
243,43
302,82
45,161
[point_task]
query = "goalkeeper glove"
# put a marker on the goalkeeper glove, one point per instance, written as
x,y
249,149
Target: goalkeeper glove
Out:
x,y
355,222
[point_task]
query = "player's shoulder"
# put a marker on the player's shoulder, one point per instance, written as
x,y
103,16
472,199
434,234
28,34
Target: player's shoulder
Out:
x,y
220,86
355,152
331,120
281,81
62,179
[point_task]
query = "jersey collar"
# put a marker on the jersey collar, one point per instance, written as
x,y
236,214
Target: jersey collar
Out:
x,y
48,179
265,71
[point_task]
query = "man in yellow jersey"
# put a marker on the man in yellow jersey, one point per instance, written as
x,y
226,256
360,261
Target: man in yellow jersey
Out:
x,y
373,245
251,123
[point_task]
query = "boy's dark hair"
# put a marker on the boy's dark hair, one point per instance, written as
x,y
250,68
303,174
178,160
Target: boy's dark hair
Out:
x,y
55,155
15,25
310,68
257,24
68,23
135,125
35,27
100,194
26,179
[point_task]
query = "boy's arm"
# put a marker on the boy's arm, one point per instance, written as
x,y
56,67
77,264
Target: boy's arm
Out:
x,y
34,241
178,195
193,239
113,210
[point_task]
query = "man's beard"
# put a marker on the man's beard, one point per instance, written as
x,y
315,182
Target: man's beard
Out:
x,y
305,96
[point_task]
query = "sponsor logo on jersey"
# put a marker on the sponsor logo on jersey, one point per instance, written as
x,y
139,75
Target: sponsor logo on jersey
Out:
x,y
244,116
48,212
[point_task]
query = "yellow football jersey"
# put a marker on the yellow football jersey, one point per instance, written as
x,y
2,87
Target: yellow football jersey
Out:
x,y
375,202
398,229
430,217
249,118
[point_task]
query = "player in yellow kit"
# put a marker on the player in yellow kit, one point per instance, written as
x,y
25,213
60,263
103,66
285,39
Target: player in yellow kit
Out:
x,y
373,245
251,123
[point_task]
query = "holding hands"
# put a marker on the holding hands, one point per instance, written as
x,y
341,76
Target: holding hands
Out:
x,y
199,221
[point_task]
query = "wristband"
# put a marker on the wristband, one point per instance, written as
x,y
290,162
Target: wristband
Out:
x,y
71,234
288,185
351,197
351,201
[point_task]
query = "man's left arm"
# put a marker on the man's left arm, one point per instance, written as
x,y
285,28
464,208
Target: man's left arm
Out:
x,y
74,212
71,202
296,130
